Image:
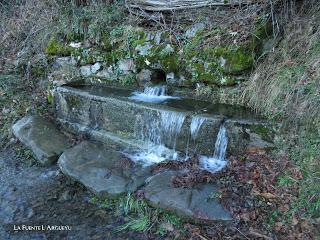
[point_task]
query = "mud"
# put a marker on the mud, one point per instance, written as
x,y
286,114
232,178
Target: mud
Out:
x,y
39,196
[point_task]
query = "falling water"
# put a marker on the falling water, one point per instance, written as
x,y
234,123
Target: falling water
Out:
x,y
171,124
158,130
152,94
195,126
220,146
217,161
155,91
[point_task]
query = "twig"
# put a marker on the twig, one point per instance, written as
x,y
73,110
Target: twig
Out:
x,y
202,237
242,233
256,234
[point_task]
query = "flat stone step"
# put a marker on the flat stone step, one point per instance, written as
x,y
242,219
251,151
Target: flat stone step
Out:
x,y
106,172
105,109
42,137
197,203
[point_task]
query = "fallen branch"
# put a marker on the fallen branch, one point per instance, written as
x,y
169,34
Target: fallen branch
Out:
x,y
169,5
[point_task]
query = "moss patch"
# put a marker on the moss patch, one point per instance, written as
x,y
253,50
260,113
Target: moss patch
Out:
x,y
55,48
38,71
237,59
262,131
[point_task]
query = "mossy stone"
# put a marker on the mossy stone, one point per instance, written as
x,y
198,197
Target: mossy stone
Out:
x,y
262,131
237,60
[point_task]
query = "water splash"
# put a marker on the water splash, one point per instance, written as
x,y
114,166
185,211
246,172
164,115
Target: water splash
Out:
x,y
218,160
158,130
152,94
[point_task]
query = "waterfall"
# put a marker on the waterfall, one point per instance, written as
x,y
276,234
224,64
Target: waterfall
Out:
x,y
155,91
217,161
171,123
153,94
195,126
158,130
220,146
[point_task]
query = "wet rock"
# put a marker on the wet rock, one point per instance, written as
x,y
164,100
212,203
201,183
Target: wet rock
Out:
x,y
144,77
104,171
191,32
42,137
197,204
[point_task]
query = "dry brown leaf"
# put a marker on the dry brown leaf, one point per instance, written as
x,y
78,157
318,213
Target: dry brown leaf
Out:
x,y
265,195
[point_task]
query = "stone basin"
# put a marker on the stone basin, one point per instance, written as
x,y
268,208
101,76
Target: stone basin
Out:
x,y
106,113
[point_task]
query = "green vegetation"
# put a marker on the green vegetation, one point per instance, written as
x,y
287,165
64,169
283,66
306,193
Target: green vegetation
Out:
x,y
16,101
288,80
306,155
55,48
128,79
261,130
263,30
237,59
140,217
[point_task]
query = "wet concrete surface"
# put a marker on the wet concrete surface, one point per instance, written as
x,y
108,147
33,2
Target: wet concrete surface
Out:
x,y
40,196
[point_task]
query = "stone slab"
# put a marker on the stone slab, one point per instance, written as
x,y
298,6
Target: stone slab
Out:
x,y
42,137
196,204
104,171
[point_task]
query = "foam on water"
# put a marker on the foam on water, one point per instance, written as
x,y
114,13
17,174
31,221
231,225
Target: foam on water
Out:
x,y
212,164
153,155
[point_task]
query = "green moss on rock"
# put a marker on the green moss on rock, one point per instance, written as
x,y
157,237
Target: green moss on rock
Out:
x,y
38,71
170,64
263,30
262,131
237,60
55,48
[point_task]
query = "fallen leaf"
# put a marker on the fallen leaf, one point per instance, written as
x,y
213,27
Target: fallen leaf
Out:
x,y
265,195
